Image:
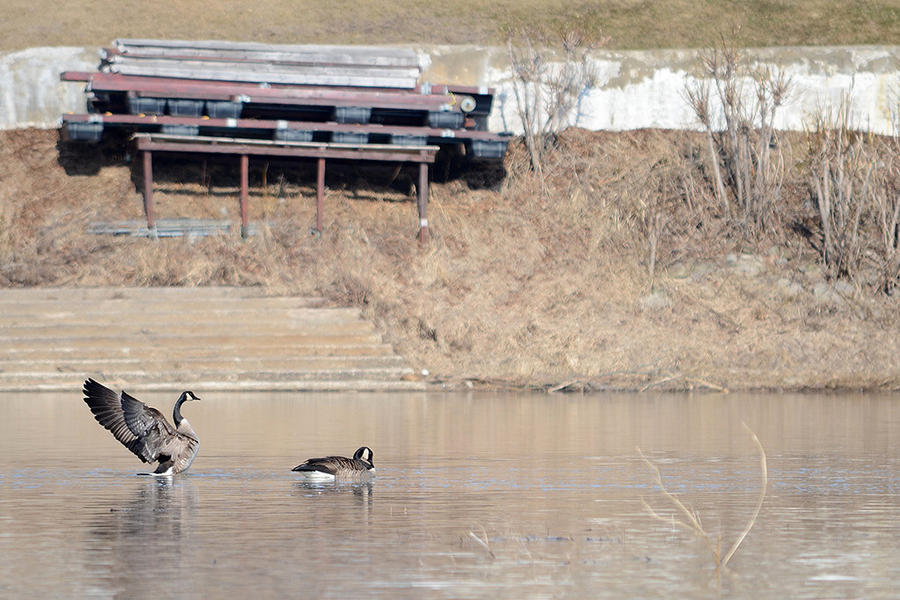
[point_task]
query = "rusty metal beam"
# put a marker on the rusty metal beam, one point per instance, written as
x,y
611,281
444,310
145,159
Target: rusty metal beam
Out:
x,y
320,192
422,202
338,151
148,192
245,192
154,121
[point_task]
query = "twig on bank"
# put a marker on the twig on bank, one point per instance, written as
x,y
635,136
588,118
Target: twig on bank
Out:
x,y
658,382
564,385
690,381
707,384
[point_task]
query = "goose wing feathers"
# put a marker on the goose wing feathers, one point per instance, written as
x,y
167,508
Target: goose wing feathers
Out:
x,y
140,428
329,464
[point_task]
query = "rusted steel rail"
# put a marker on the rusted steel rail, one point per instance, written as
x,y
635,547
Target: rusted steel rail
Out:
x,y
153,123
148,144
251,93
114,92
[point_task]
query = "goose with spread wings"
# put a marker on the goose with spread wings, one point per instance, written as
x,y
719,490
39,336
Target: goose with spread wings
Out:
x,y
144,430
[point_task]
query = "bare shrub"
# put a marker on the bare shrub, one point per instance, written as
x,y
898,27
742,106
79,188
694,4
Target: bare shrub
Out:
x,y
748,166
551,74
854,178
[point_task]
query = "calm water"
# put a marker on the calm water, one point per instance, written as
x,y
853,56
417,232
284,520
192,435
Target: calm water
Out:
x,y
550,485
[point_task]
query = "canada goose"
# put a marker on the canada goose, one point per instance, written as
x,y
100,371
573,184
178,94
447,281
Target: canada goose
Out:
x,y
143,429
329,468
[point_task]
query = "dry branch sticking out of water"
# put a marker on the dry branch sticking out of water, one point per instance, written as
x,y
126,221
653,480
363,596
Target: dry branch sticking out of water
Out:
x,y
692,520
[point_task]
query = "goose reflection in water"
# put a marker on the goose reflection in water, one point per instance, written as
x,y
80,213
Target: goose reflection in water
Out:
x,y
145,534
342,501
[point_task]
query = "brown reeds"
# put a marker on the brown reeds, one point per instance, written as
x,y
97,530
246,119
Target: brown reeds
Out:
x,y
551,74
690,519
854,177
736,104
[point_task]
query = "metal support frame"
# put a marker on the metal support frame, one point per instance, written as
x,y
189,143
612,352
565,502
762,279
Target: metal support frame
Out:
x,y
423,156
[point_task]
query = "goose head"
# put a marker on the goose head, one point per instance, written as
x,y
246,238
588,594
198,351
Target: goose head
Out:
x,y
365,456
184,397
187,395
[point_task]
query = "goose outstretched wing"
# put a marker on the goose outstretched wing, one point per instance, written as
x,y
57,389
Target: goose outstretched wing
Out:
x,y
140,428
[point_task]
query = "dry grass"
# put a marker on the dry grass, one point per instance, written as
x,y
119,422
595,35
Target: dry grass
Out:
x,y
631,24
517,287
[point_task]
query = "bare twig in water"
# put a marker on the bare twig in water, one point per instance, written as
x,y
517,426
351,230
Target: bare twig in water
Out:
x,y
483,543
691,520
764,476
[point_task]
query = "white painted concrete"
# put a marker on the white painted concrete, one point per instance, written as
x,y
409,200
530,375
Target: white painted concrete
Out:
x,y
638,89
644,89
31,94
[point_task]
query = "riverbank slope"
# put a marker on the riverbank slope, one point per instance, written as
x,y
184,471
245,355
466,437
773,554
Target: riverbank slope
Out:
x,y
525,283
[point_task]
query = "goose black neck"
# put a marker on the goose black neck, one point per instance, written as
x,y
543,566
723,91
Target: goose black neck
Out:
x,y
176,413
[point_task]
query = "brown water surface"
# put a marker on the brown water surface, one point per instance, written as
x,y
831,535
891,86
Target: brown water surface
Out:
x,y
481,496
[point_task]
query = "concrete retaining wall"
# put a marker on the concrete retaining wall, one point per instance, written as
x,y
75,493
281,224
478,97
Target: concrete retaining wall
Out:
x,y
638,89
31,94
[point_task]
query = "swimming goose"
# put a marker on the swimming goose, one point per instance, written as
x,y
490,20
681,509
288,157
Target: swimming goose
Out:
x,y
330,468
143,429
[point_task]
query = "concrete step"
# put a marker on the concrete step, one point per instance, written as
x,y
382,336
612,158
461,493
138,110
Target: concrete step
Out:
x,y
21,315
152,294
129,330
86,343
195,364
201,386
190,338
215,374
62,350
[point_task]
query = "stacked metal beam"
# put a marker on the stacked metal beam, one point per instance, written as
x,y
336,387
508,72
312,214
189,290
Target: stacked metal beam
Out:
x,y
295,93
350,66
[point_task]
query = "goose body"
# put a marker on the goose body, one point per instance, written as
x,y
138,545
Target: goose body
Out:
x,y
143,429
331,468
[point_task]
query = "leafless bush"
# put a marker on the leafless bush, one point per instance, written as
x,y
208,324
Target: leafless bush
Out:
x,y
854,177
551,74
748,166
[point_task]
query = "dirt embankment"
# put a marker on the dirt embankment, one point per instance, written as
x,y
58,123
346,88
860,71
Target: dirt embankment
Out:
x,y
524,283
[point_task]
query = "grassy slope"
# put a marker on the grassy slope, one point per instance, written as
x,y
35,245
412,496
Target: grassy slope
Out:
x,y
631,24
514,286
